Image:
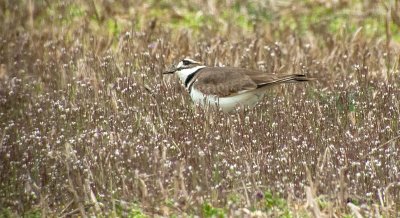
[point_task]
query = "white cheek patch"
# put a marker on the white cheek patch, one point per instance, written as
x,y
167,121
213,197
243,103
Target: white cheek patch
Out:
x,y
184,73
180,64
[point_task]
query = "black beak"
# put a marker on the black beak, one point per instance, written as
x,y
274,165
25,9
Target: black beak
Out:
x,y
170,71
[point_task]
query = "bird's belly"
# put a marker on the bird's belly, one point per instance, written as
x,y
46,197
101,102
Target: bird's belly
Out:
x,y
247,99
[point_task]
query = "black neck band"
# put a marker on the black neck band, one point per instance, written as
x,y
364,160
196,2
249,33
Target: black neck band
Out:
x,y
189,78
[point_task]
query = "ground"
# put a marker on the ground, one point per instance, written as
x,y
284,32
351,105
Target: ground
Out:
x,y
89,125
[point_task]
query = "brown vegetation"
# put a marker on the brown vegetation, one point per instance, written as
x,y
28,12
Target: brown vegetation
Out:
x,y
89,125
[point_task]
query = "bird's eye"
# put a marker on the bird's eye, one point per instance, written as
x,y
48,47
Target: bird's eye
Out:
x,y
186,62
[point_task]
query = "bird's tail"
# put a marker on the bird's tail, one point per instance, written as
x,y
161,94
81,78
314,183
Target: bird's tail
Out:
x,y
286,78
294,78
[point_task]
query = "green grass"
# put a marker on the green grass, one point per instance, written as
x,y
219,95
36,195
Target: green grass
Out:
x,y
210,211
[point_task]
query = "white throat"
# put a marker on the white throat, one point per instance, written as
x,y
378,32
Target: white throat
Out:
x,y
184,73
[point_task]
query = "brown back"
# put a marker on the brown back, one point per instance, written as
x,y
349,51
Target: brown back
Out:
x,y
226,81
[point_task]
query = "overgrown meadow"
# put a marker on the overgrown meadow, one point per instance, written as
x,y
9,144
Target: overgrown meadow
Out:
x,y
89,125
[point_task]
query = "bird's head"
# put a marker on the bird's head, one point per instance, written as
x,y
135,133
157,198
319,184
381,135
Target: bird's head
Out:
x,y
186,63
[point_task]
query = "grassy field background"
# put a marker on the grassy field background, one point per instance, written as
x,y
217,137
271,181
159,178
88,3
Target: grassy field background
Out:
x,y
90,126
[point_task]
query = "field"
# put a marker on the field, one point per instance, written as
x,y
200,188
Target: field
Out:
x,y
89,125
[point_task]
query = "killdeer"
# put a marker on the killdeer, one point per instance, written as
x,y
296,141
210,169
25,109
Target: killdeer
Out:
x,y
227,87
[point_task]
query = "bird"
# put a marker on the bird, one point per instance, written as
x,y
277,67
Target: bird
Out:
x,y
227,87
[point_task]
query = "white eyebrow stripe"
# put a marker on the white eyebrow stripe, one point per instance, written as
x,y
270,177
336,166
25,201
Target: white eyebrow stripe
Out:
x,y
191,60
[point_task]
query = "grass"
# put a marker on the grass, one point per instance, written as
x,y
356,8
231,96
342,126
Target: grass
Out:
x,y
90,126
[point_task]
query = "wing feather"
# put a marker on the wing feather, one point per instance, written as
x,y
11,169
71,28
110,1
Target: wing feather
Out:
x,y
222,81
229,81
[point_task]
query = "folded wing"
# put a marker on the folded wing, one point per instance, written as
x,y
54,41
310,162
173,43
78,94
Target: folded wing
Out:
x,y
228,81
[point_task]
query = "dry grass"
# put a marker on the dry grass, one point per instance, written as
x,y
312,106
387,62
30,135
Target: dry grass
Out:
x,y
90,126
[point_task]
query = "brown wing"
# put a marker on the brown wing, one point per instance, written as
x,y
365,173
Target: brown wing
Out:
x,y
225,81
259,77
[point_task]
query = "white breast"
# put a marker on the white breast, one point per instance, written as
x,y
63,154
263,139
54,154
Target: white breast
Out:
x,y
247,99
